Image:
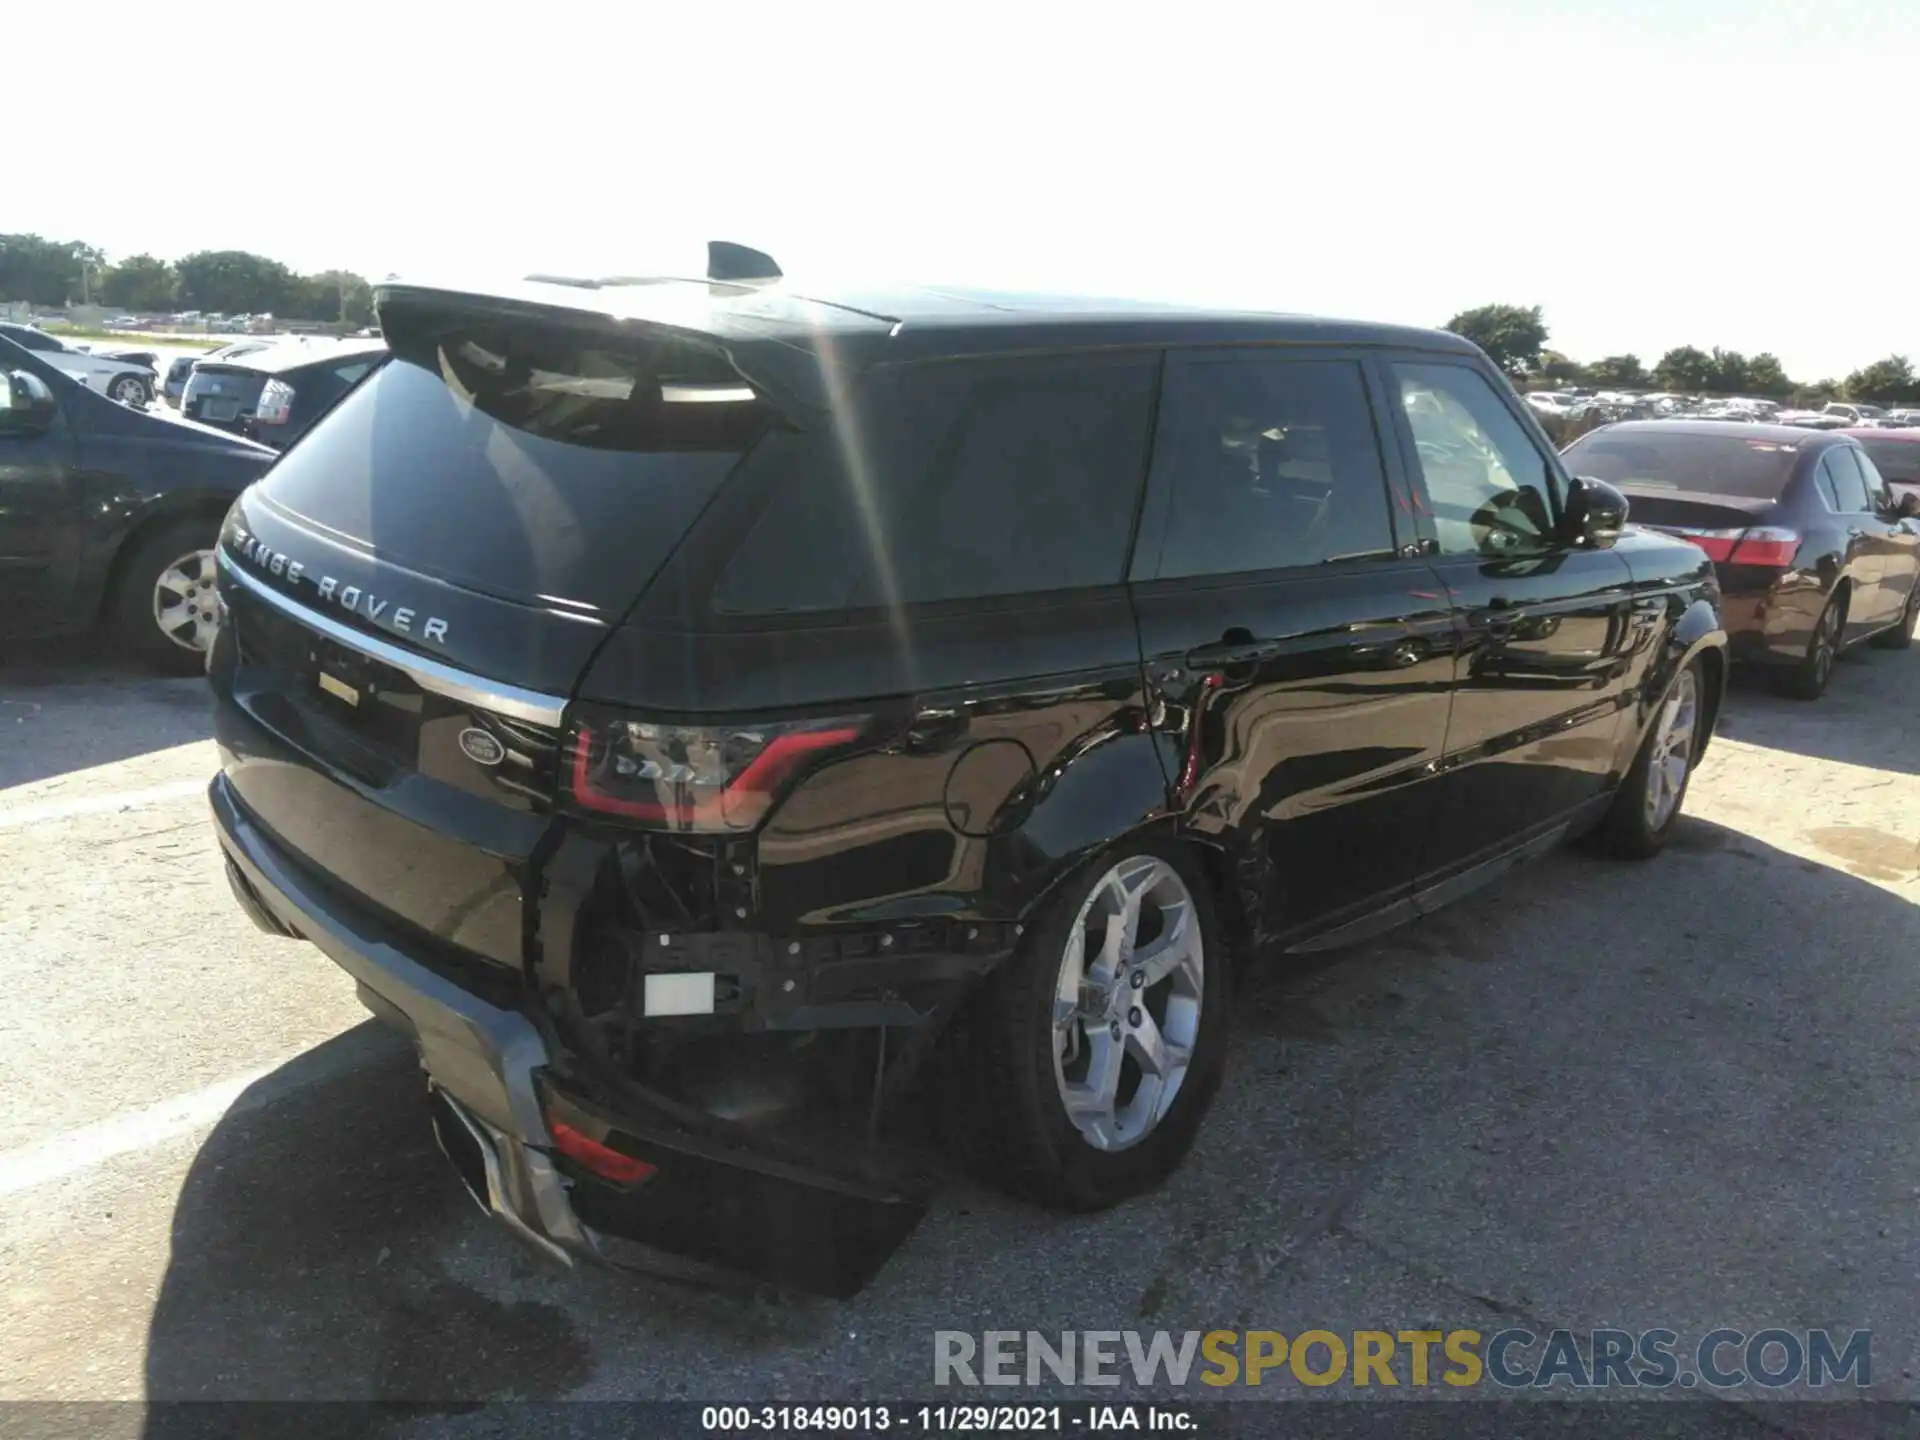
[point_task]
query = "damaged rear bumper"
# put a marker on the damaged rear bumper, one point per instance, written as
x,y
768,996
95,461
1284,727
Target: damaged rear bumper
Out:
x,y
716,1202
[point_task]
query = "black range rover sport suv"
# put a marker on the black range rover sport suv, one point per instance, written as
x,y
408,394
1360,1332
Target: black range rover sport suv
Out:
x,y
705,715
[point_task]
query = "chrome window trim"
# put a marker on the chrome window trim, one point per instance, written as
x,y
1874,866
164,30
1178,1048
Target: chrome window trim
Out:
x,y
467,688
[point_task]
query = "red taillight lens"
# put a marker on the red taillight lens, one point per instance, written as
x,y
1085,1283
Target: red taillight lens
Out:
x,y
692,777
1768,546
275,404
1765,545
602,1160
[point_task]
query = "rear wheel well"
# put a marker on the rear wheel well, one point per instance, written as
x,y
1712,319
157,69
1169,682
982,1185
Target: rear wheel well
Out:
x,y
1714,662
1843,595
212,511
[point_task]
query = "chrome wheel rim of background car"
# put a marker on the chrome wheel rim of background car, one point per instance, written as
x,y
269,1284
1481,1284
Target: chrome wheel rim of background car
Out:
x,y
128,390
1126,1009
1672,750
185,604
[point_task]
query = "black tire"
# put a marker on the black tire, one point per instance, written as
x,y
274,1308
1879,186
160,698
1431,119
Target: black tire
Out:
x,y
1004,1101
131,612
1900,637
1809,679
130,389
1629,830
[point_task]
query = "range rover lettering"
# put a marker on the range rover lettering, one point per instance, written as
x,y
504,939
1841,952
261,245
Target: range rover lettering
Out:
x,y
839,697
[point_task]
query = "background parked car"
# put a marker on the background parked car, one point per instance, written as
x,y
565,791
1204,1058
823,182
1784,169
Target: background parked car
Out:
x,y
1896,455
181,367
108,515
1813,552
121,380
273,394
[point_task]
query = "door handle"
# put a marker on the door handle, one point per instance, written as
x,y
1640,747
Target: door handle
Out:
x,y
1224,653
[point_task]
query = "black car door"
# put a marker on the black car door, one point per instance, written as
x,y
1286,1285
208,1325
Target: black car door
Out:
x,y
1298,656
1897,539
1545,627
1870,540
39,519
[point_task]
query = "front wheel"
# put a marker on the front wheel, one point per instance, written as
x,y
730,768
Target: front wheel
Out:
x,y
1637,824
165,611
1088,1061
129,390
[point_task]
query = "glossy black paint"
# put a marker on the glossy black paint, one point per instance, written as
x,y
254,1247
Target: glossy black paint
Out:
x,y
1346,743
72,497
1871,555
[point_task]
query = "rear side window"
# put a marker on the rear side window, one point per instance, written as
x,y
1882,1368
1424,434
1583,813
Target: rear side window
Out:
x,y
1695,464
948,482
1849,484
1274,463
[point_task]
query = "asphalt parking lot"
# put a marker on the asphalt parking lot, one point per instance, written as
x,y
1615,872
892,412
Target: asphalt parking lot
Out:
x,y
1675,1095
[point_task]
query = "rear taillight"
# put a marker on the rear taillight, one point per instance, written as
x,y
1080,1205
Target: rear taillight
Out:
x,y
693,777
275,404
1763,545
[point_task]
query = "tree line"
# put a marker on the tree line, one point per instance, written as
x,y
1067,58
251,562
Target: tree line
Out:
x,y
215,282
1515,338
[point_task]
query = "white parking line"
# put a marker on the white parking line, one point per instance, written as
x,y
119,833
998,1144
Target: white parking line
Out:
x,y
62,1155
66,1154
38,813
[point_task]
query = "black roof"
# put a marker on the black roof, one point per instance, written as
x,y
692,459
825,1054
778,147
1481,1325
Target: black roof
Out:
x,y
906,321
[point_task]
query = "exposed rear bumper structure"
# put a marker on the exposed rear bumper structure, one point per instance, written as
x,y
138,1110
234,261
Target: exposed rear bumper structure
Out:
x,y
714,1208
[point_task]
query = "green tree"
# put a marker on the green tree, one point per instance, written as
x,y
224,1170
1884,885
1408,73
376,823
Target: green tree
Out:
x,y
1619,372
1885,382
333,296
1727,372
1560,370
138,282
1766,376
1512,335
1812,397
46,272
1685,368
235,282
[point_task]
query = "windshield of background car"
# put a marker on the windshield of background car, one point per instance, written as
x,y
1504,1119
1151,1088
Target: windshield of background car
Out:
x,y
1697,464
525,461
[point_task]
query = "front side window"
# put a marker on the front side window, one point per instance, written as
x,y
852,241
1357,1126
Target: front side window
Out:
x,y
951,481
1487,484
1275,463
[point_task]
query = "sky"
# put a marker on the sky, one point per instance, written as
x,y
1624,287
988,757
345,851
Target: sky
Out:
x,y
1651,172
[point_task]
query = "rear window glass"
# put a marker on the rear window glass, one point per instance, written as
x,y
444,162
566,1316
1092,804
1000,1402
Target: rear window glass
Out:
x,y
536,464
952,481
1897,460
1696,464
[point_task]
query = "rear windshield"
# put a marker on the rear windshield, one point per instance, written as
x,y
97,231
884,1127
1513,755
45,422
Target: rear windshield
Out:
x,y
536,464
1697,464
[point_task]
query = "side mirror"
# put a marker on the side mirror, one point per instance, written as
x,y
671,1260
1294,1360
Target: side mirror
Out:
x,y
1909,506
27,406
1595,513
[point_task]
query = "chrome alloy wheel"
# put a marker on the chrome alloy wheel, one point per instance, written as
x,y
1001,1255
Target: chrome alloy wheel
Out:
x,y
128,390
1126,1009
1672,755
1826,643
185,604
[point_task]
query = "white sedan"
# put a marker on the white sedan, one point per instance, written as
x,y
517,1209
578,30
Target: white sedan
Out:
x,y
117,379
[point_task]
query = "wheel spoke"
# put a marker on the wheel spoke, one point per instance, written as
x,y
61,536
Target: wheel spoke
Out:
x,y
1172,952
1092,1100
1155,1054
175,616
